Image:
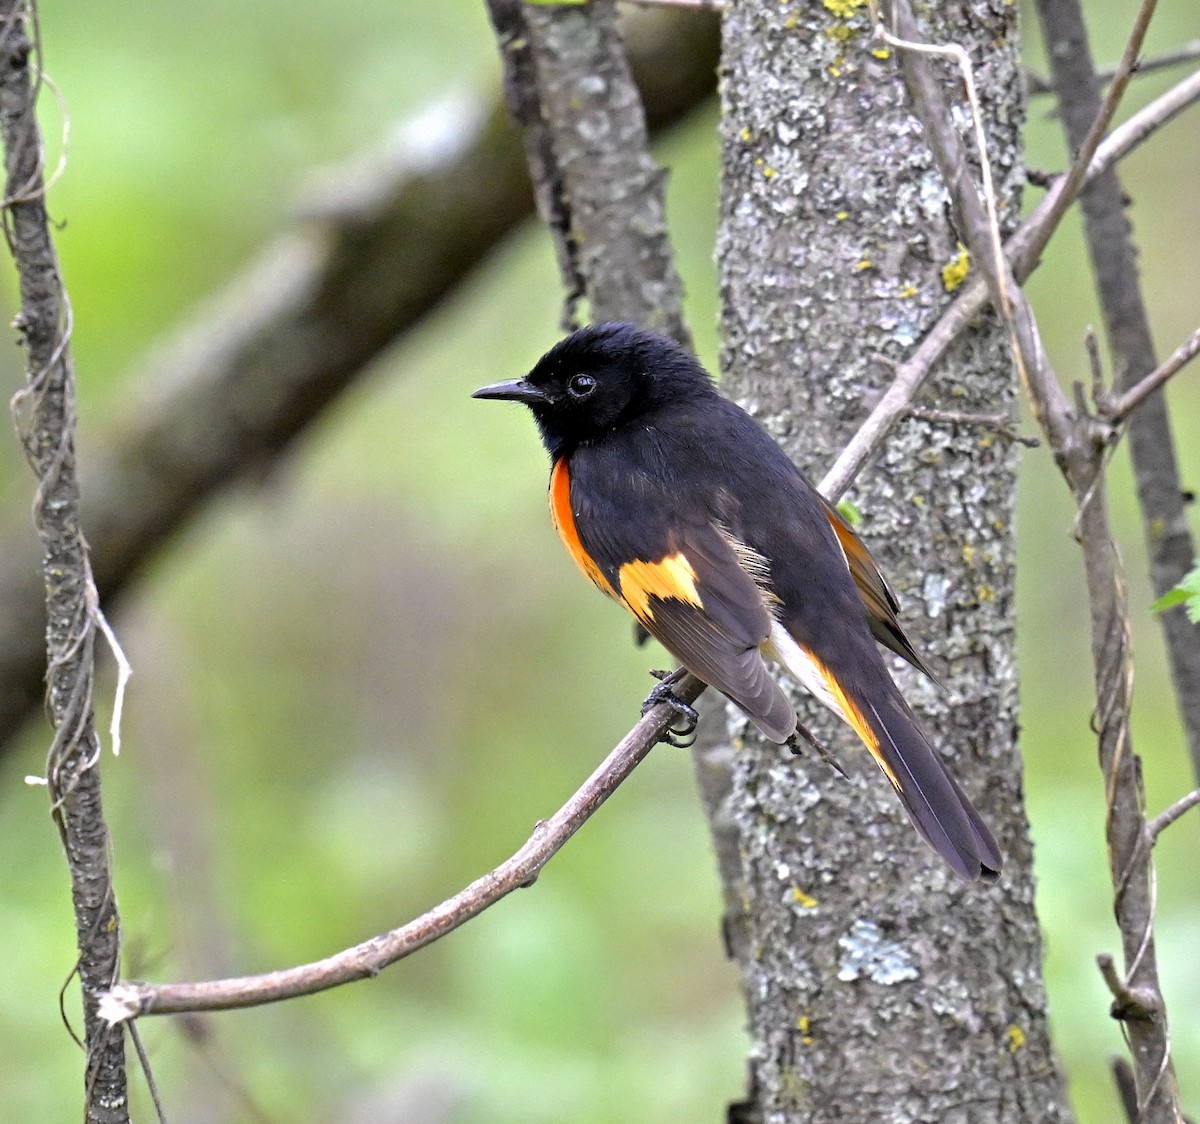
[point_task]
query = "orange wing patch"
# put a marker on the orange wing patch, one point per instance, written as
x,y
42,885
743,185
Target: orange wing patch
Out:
x,y
563,517
670,578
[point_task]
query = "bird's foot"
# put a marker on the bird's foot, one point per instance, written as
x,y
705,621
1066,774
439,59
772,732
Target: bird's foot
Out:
x,y
683,734
823,751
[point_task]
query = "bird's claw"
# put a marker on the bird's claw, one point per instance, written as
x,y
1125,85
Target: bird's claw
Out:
x,y
682,735
823,751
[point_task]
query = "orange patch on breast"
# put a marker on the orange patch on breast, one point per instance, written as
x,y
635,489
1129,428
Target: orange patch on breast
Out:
x,y
563,517
670,578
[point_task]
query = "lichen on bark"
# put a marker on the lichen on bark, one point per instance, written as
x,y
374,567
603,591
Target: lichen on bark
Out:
x,y
878,986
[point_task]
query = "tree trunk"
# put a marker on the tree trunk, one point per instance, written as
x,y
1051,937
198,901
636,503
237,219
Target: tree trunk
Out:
x,y
879,986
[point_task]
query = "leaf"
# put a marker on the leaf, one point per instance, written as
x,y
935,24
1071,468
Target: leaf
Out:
x,y
1186,593
1176,596
849,511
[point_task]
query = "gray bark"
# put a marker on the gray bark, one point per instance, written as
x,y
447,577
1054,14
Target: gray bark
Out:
x,y
879,987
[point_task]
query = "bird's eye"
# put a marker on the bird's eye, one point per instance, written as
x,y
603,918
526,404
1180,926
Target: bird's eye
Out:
x,y
580,386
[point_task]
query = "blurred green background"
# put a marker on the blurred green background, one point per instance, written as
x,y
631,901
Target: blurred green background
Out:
x,y
360,682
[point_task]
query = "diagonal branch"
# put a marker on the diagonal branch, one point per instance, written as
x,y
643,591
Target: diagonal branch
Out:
x,y
1023,249
1116,409
627,272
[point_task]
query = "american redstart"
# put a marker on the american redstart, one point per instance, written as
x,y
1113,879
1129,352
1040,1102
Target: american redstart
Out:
x,y
679,506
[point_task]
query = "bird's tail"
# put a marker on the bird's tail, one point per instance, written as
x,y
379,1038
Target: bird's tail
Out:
x,y
938,808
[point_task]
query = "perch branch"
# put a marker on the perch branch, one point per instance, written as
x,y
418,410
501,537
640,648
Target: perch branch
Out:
x,y
130,1000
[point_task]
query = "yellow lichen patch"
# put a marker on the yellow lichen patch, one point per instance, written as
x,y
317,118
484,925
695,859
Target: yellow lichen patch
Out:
x,y
839,32
882,53
909,291
968,553
985,593
670,578
844,9
1016,1038
954,273
803,899
804,1026
842,216
863,263
745,134
769,173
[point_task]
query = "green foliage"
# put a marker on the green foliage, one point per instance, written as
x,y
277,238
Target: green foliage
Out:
x,y
850,512
1186,593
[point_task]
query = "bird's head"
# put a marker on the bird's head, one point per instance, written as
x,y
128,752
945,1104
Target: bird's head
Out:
x,y
600,379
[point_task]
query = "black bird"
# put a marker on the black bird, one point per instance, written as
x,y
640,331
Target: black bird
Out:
x,y
680,507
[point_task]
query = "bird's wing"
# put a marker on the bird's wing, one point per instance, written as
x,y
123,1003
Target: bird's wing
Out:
x,y
703,605
688,582
877,596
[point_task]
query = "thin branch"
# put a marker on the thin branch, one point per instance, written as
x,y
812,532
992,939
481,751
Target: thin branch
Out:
x,y
1116,409
1000,423
44,413
1128,1003
617,247
1038,86
131,1000
1164,819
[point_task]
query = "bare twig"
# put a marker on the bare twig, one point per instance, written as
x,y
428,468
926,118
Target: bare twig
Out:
x,y
130,1000
624,261
44,411
1164,819
1117,408
1037,86
1001,423
1128,1003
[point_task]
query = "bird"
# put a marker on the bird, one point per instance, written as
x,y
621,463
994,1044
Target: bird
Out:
x,y
680,507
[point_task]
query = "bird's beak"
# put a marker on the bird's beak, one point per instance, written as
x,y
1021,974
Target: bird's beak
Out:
x,y
515,390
